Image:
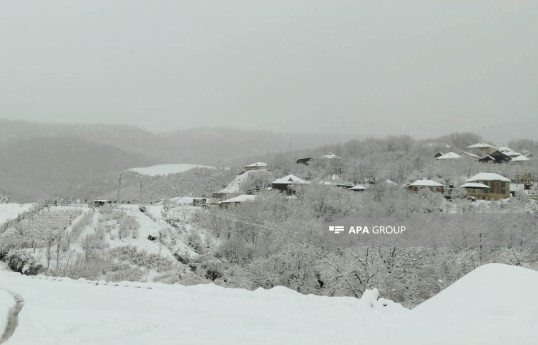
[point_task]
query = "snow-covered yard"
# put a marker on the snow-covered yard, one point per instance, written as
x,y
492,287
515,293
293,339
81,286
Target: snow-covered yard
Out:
x,y
495,304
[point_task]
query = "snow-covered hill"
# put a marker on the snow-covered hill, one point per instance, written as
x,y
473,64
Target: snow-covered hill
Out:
x,y
495,304
167,169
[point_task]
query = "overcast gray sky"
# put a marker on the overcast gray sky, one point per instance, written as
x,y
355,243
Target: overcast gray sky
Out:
x,y
423,68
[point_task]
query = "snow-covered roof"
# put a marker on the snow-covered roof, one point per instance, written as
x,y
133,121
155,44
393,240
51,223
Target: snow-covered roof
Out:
x,y
449,155
425,183
234,186
239,198
256,165
474,185
390,182
358,187
290,179
330,155
480,146
483,176
510,153
471,154
520,158
504,148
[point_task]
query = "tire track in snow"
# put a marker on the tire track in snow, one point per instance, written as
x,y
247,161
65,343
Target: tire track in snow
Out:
x,y
12,316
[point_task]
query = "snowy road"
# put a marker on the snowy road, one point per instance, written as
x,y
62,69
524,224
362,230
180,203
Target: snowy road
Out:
x,y
12,317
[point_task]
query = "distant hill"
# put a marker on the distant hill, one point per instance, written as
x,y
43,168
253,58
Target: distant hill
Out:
x,y
42,168
212,146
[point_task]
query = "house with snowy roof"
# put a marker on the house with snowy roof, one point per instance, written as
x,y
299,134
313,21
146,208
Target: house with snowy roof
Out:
x,y
234,187
508,151
256,166
482,148
330,155
286,183
500,157
237,200
469,154
426,184
448,156
358,188
520,159
487,186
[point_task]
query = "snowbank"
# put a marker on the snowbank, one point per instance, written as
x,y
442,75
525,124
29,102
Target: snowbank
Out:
x,y
167,169
495,304
62,311
6,303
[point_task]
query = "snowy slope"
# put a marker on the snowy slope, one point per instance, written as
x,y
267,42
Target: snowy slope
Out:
x,y
167,169
11,211
495,304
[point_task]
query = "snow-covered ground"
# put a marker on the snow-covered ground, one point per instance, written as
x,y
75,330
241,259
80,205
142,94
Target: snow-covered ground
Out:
x,y
6,303
167,169
495,304
11,211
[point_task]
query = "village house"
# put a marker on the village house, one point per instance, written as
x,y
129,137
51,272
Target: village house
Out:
x,y
448,156
423,184
482,148
233,188
487,186
520,159
304,161
500,157
286,183
237,200
508,151
358,188
330,155
256,166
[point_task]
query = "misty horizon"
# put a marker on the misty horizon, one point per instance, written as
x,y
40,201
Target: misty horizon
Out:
x,y
351,68
333,137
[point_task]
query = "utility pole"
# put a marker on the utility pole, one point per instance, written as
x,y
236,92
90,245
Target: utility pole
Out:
x,y
119,189
140,193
